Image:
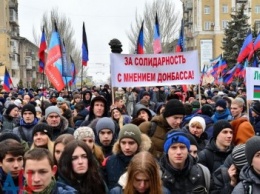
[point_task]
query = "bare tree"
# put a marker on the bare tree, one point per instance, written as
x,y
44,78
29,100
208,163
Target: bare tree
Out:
x,y
66,32
169,16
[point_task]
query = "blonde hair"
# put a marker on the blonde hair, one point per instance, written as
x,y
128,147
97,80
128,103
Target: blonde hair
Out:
x,y
50,146
144,162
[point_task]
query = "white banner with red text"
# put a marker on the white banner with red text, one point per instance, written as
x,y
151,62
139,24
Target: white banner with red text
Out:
x,y
154,69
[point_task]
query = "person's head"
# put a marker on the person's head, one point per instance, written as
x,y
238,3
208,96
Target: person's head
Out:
x,y
237,107
53,116
87,95
221,105
105,129
26,98
146,96
177,146
98,105
238,156
76,98
193,146
223,134
116,113
173,113
118,102
256,109
207,110
197,126
252,151
143,175
38,112
28,113
129,139
12,110
39,169
85,134
42,135
11,156
59,145
144,113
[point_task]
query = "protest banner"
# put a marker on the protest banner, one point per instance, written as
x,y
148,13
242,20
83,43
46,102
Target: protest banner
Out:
x,y
154,69
253,83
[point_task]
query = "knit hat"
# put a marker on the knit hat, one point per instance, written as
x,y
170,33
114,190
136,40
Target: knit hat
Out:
x,y
195,105
252,146
256,108
207,110
219,126
9,135
44,128
146,94
105,123
10,108
98,98
200,120
192,139
52,109
238,156
83,132
130,131
176,137
173,107
29,107
18,103
38,109
222,103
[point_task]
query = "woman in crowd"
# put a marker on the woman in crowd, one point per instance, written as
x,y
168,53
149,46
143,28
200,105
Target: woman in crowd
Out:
x,y
142,176
119,118
10,118
78,169
42,135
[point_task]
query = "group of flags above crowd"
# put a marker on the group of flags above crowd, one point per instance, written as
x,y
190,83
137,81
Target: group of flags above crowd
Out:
x,y
219,70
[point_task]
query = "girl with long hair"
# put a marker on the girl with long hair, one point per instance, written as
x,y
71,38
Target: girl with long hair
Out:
x,y
78,168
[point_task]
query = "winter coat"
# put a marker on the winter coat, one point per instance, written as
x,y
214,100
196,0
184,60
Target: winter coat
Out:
x,y
212,157
63,127
184,181
4,178
256,125
61,188
116,164
9,123
80,118
162,128
242,130
247,174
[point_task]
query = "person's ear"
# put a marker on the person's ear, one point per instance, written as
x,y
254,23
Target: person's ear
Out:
x,y
54,170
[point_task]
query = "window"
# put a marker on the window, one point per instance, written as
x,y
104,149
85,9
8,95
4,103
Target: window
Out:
x,y
207,25
224,8
257,25
257,9
224,24
206,10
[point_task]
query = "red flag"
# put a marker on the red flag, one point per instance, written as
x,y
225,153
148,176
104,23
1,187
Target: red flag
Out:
x,y
41,53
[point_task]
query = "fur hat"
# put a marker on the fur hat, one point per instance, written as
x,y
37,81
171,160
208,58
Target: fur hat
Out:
x,y
219,126
44,128
52,109
83,132
29,107
105,123
200,120
252,146
176,137
222,103
173,107
130,131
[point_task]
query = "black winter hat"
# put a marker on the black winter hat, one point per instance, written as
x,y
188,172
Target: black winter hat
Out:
x,y
222,103
98,98
219,126
252,146
9,135
207,110
256,108
10,108
146,94
44,128
173,107
29,107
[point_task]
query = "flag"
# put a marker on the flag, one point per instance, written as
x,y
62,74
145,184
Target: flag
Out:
x,y
229,76
84,47
257,43
140,40
255,61
238,70
41,53
247,49
73,70
256,91
180,44
53,67
222,66
202,74
7,81
157,47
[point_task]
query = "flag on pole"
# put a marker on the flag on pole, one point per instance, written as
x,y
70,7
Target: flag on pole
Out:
x,y
140,40
84,47
73,70
53,67
157,47
41,53
7,81
180,45
247,49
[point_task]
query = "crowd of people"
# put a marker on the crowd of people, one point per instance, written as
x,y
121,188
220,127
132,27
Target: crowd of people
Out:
x,y
151,140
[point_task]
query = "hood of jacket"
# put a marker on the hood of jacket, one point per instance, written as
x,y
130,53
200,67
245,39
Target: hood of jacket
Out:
x,y
248,175
63,125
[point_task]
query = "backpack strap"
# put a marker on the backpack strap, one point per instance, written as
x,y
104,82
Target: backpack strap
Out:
x,y
152,129
248,189
206,174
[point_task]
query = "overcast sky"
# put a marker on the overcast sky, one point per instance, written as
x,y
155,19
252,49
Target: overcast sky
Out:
x,y
104,20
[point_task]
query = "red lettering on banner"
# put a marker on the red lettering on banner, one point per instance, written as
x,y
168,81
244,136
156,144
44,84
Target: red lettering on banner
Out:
x,y
119,77
128,61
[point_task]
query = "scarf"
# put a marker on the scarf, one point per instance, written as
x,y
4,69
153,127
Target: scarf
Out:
x,y
28,125
47,190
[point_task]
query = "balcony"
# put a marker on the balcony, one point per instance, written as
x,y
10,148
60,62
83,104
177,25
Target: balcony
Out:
x,y
242,1
189,6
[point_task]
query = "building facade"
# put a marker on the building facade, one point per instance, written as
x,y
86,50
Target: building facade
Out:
x,y
206,20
